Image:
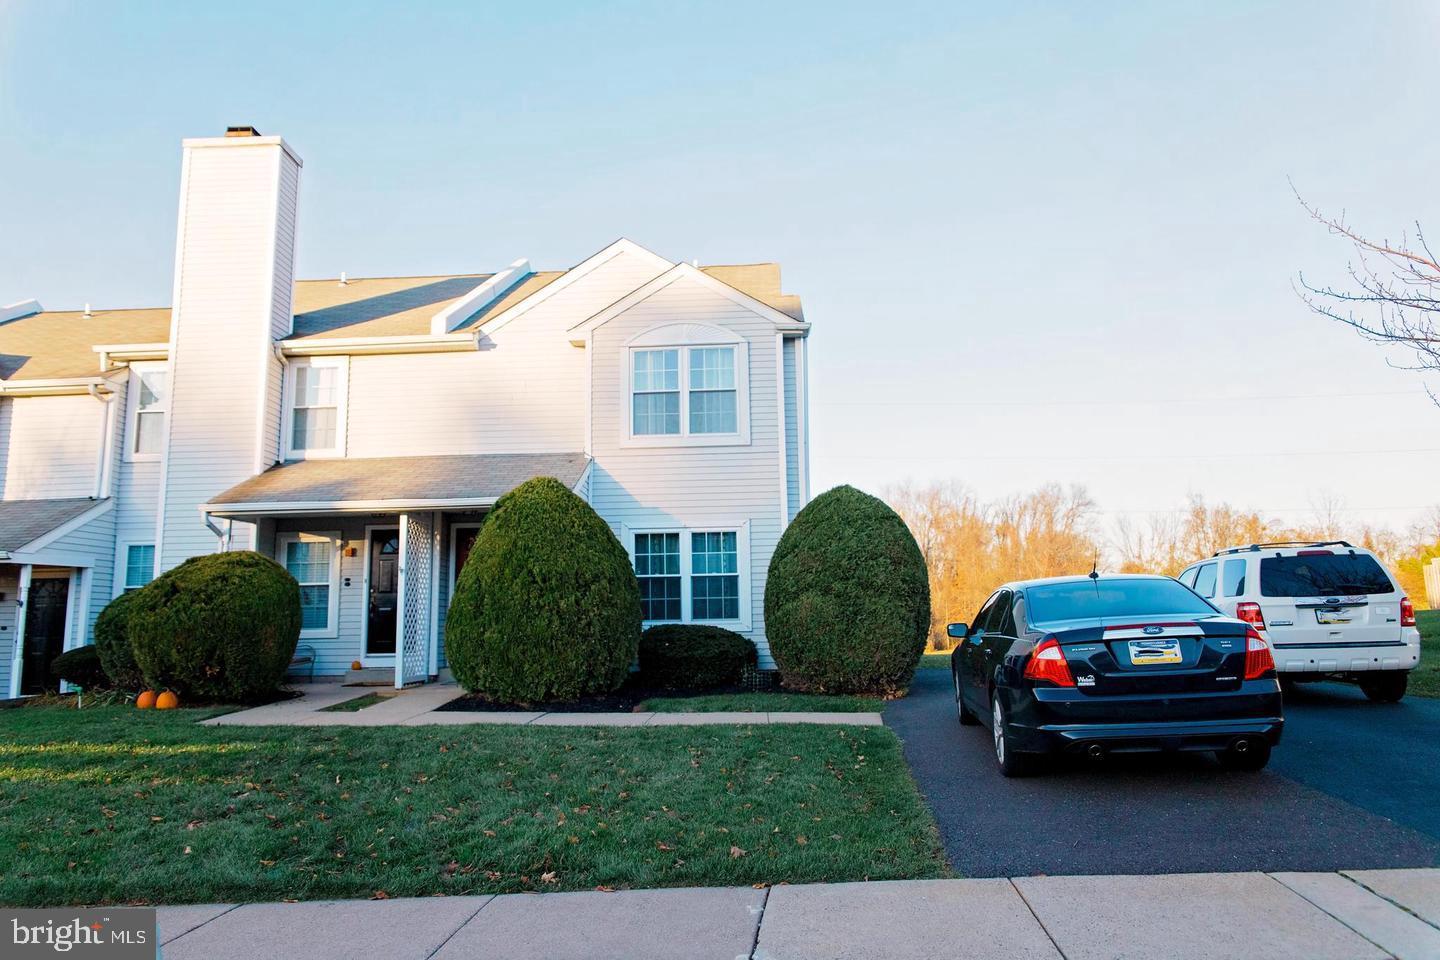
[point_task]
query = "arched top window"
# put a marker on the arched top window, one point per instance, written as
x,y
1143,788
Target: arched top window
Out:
x,y
688,384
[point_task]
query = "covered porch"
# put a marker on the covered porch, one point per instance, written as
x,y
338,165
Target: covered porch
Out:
x,y
51,553
376,545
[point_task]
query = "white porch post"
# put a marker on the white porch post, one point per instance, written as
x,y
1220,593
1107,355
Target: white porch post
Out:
x,y
401,607
433,657
17,656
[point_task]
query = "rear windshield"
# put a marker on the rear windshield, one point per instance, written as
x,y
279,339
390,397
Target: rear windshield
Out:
x,y
1111,598
1321,574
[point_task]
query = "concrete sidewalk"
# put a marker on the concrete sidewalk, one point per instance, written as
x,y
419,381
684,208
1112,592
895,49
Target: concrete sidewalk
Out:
x,y
419,706
1287,916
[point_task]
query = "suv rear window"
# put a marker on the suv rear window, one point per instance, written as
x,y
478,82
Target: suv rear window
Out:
x,y
1111,598
1321,574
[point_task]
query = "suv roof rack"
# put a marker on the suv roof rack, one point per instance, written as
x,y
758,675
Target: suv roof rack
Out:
x,y
1257,547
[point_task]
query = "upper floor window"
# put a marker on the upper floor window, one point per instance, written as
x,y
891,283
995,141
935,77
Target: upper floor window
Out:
x,y
315,408
149,401
687,385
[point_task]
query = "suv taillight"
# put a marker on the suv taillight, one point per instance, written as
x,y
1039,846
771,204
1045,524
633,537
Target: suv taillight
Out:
x,y
1250,613
1407,612
1258,660
1047,662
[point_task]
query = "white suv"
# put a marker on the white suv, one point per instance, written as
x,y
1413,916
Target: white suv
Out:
x,y
1329,611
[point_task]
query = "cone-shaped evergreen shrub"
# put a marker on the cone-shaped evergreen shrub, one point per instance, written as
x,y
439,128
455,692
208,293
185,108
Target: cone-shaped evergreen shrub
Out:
x,y
218,627
112,643
547,606
847,600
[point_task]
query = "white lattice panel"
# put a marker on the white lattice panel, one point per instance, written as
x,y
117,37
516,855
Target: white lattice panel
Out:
x,y
417,559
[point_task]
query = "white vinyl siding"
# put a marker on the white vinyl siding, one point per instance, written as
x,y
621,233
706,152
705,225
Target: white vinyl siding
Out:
x,y
232,292
52,446
639,488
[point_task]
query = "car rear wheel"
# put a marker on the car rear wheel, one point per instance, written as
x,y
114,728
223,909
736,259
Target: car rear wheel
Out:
x,y
1387,686
1254,756
967,719
1011,762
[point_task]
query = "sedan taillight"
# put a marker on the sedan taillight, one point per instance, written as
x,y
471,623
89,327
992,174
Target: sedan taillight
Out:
x,y
1407,612
1047,662
1250,613
1258,660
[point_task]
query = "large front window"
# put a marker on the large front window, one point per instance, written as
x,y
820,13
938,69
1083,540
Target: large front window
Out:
x,y
688,394
693,575
314,561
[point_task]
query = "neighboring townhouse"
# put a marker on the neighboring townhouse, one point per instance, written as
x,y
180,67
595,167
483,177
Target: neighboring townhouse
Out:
x,y
357,430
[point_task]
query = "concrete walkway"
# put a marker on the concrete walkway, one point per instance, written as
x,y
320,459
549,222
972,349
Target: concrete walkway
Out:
x,y
419,706
1286,916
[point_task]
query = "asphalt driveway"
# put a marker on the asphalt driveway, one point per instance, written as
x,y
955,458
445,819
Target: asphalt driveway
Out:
x,y
1353,785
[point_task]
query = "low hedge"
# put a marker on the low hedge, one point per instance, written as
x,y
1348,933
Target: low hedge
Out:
x,y
220,627
690,656
547,607
847,600
112,643
81,667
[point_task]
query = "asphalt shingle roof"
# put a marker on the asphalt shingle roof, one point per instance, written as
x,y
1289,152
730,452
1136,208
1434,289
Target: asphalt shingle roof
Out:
x,y
22,521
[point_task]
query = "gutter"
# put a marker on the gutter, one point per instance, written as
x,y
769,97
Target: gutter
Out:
x,y
69,386
363,346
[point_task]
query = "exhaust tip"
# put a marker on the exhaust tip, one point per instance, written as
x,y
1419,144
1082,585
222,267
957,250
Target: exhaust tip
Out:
x,y
1096,751
1241,746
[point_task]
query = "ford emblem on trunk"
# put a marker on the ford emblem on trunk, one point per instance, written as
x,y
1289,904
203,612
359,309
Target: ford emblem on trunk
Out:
x,y
1154,630
1332,600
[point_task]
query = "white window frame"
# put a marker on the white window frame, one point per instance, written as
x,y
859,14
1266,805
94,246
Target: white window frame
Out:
x,y
742,565
331,629
122,564
342,396
684,337
132,410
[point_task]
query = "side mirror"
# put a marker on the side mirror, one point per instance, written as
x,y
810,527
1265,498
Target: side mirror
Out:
x,y
958,631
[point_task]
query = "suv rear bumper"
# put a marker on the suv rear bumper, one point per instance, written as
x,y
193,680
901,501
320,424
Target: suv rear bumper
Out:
x,y
1400,654
1051,720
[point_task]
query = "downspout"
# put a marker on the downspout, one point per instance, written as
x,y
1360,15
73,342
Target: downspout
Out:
x,y
107,442
221,534
279,427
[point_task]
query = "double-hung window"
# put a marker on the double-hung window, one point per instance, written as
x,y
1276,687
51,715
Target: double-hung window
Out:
x,y
687,393
693,576
315,408
313,559
149,401
139,565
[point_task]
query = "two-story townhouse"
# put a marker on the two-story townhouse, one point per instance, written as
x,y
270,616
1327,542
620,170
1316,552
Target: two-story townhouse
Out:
x,y
357,430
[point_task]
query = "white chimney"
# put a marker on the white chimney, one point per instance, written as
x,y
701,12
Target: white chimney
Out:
x,y
234,274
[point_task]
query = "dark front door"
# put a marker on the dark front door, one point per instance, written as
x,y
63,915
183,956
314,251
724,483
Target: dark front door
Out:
x,y
44,631
384,592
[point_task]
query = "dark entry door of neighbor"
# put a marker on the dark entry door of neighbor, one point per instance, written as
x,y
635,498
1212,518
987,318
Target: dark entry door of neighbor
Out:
x,y
384,592
44,631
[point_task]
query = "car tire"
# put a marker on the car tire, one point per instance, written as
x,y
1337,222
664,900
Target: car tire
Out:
x,y
967,719
1012,763
1250,761
1387,686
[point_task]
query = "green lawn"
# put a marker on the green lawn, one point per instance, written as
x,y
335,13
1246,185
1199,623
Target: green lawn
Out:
x,y
761,702
354,704
935,661
1425,679
115,805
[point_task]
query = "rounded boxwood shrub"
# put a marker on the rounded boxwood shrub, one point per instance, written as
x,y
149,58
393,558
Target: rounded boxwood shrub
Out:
x,y
112,643
547,607
218,627
692,656
81,667
847,599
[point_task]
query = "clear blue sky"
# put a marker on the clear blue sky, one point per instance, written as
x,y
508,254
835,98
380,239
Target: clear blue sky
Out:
x,y
1031,237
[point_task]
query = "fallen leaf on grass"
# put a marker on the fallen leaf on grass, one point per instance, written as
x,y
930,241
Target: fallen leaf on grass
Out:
x,y
736,853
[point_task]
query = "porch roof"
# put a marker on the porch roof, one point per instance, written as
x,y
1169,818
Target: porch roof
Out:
x,y
376,484
22,522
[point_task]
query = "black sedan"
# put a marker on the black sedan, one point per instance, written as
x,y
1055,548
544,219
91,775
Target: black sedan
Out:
x,y
1114,664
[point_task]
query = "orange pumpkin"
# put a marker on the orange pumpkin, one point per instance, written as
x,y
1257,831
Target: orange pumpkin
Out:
x,y
356,665
167,701
146,700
